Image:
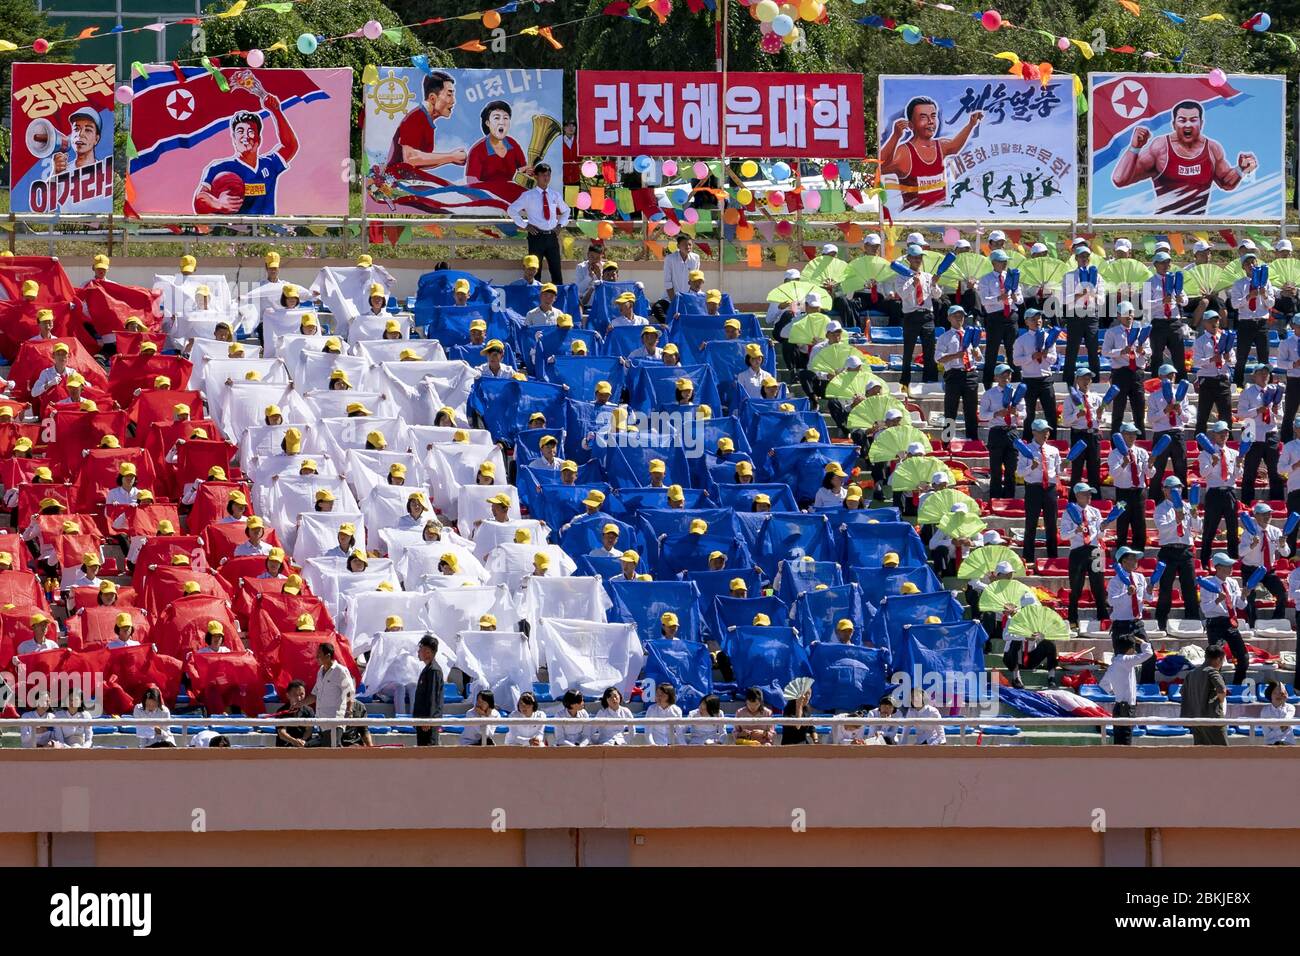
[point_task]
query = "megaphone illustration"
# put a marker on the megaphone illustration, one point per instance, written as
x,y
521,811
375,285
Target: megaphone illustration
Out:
x,y
44,140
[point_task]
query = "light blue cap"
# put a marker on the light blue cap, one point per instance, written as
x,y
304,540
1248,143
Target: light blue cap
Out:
x,y
1002,368
1040,425
1083,370
1209,314
1161,256
1263,508
1166,369
954,309
1221,559
1219,426
998,255
1246,257
1128,427
1029,312
915,250
1173,481
1083,488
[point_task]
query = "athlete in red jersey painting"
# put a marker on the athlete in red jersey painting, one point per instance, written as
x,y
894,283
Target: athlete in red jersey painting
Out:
x,y
1182,165
919,162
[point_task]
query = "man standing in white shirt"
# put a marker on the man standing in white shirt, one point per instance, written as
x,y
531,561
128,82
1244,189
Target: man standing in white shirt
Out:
x,y
333,690
1261,549
1220,611
916,295
1221,471
543,213
960,380
1288,465
1036,360
1254,304
1164,310
1082,413
1288,364
1213,372
1000,307
1258,409
1004,418
1168,417
1041,475
1127,595
1176,526
678,267
1120,679
1083,299
1129,472
1084,537
1127,369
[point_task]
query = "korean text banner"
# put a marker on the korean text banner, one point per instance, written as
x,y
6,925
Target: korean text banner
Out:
x,y
275,143
975,147
1172,146
799,115
462,142
62,138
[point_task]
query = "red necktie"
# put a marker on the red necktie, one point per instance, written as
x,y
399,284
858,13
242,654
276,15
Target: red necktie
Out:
x,y
1178,526
1087,529
1132,359
1173,410
1137,607
919,297
1230,606
1002,291
1265,411
1087,411
1042,454
1133,469
1168,311
874,294
1218,356
956,564
546,206
1223,463
965,354
1268,563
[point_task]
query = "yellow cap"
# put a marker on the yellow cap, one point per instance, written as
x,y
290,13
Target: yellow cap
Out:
x,y
844,624
236,497
254,523
23,444
625,297
568,465
376,289
763,499
565,321
165,527
392,325
394,620
812,434
714,555
487,620
684,385
460,285
107,587
522,536
347,528
293,584
101,261
408,355
460,435
216,473
675,493
6,560
477,325
699,526
541,561
762,620
135,324
272,259
162,381
531,262
359,555
549,287
657,466
738,584
835,468
126,468
60,348
38,618
43,472
332,344
854,493
487,469
188,264
502,500
365,261
668,619
202,290
377,439
324,494
726,444
744,468
45,315
493,345
695,274
714,295
51,503
397,470
31,289
289,289
145,496
75,380
306,622
149,348
610,528
123,620
190,587
180,560
340,375
577,347
890,560
71,527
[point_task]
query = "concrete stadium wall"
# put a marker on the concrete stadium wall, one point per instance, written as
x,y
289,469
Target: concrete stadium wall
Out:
x,y
641,806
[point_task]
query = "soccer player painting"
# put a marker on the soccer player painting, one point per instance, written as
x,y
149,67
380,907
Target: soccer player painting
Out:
x,y
497,157
1181,165
413,143
245,182
919,162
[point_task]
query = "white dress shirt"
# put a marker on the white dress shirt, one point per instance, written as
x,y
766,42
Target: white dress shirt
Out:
x,y
950,344
1083,415
995,410
1223,473
1031,471
702,734
80,738
1154,304
883,730
1288,355
1263,417
583,277
117,495
1216,605
1166,416
1121,602
30,646
677,272
1120,678
539,317
1072,287
1176,525
523,735
527,210
622,321
905,290
1207,361
1253,547
333,687
1123,466
610,734
662,735
1251,303
571,731
48,379
152,735
751,382
1288,464
1085,534
1278,735
829,497
1116,348
472,734
247,548
912,734
990,289
1022,355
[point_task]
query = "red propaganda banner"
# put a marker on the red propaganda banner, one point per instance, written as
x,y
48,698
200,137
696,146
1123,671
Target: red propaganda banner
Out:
x,y
794,115
62,138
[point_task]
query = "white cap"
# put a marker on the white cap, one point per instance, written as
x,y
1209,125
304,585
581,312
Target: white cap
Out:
x,y
873,239
1124,308
813,299
916,448
1246,244
962,245
1200,246
853,361
1282,245
830,249
893,414
833,326
992,537
941,478
1123,245
1036,248
997,235
1078,240
915,238
791,274
1163,246
1003,567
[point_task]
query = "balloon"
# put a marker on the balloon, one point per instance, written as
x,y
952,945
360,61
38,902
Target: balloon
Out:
x,y
663,7
124,95
306,44
791,38
642,164
771,43
910,34
583,201
780,171
255,58
1262,22
604,230
691,215
42,45
589,168
1063,43
831,171
373,30
611,207
784,228
730,216
749,169
670,167
1217,78
671,228
812,200
701,170
782,25
776,199
765,28
491,19
810,10
791,10
766,10
992,20
950,236
679,196
744,196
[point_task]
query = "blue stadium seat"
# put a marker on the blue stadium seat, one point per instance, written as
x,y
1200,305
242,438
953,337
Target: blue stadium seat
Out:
x,y
1096,694
1150,694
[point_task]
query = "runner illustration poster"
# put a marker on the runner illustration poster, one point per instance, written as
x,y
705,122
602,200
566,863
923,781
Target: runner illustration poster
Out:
x,y
1177,146
458,141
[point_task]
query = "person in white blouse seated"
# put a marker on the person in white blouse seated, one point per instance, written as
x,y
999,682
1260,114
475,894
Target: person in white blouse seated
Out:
x,y
706,734
626,304
751,380
611,706
417,506
87,576
40,735
849,734
608,543
256,543
123,632
151,706
1277,708
125,492
39,641
570,729
546,313
214,640
476,735
53,375
494,367
81,737
930,734
665,705
831,493
649,347
530,734
880,730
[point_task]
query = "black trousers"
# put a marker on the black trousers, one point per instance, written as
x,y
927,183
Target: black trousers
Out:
x,y
1175,454
1250,332
1290,406
1038,391
1041,503
1220,505
961,387
1123,735
1273,584
426,736
1218,631
919,325
1131,394
1090,459
999,333
1293,504
1215,393
1178,564
1014,658
546,247
1081,328
1265,451
1085,565
1002,464
1131,525
1168,336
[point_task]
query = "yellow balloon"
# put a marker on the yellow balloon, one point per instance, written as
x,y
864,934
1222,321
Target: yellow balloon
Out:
x,y
749,169
791,10
791,38
766,10
810,10
744,196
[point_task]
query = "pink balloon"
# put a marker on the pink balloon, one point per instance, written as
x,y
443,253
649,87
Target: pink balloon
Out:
x,y
373,30
583,201
124,94
831,171
771,43
785,228
950,236
611,207
670,168
690,215
991,19
776,199
256,58
589,168
701,170
1063,43
671,228
1217,78
812,200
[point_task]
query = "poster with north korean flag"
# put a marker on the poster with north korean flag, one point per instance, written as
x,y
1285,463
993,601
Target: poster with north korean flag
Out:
x,y
240,142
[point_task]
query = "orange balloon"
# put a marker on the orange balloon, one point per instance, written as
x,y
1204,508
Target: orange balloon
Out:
x,y
744,233
731,216
491,19
604,230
